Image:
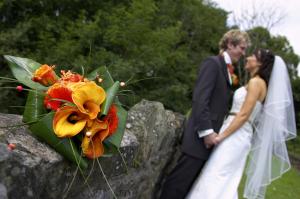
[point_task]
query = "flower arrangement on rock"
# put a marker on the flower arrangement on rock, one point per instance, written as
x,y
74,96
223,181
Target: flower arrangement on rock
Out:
x,y
80,117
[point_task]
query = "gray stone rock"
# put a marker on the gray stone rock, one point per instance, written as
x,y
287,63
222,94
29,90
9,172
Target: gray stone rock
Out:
x,y
35,170
3,192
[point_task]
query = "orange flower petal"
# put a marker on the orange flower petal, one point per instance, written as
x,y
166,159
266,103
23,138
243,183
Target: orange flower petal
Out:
x,y
70,76
45,75
112,119
56,94
92,145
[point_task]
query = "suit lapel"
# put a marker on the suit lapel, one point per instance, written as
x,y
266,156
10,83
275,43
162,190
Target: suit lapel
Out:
x,y
224,69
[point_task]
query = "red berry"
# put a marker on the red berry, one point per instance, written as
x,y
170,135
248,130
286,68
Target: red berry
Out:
x,y
19,88
11,146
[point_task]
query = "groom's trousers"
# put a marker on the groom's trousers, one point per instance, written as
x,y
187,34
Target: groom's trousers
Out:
x,y
180,180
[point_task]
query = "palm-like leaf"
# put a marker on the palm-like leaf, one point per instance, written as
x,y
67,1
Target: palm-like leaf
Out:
x,y
23,69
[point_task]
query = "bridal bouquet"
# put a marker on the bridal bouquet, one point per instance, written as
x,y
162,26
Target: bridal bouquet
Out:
x,y
80,117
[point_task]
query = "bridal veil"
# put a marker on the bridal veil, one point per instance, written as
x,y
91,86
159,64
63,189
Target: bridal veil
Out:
x,y
276,124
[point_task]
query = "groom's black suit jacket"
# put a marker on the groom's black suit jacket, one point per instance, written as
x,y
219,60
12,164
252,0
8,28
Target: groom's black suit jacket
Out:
x,y
210,104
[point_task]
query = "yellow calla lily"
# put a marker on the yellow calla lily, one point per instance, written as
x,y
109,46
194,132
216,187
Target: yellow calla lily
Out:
x,y
68,121
88,97
92,146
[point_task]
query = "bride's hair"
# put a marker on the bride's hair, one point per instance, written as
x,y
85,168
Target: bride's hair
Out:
x,y
266,58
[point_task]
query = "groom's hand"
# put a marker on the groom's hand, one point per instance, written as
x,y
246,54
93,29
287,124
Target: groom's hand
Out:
x,y
209,140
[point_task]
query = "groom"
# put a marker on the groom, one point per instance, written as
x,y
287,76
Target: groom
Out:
x,y
210,104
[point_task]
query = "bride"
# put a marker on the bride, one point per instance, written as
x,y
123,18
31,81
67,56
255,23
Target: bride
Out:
x,y
260,121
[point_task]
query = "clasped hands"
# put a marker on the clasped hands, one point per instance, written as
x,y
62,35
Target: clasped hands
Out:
x,y
212,139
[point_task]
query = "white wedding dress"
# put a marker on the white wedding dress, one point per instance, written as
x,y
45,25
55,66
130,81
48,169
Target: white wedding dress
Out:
x,y
223,171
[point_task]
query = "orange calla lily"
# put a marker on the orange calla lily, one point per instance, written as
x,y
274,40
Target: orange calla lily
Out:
x,y
45,75
88,97
92,145
68,121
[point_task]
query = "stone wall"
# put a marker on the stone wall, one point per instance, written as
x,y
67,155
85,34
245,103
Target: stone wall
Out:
x,y
149,148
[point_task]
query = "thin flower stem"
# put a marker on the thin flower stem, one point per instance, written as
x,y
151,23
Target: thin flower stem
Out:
x,y
18,125
71,183
26,123
82,71
8,81
41,115
90,173
16,106
129,79
144,79
127,171
127,96
127,91
122,94
104,176
25,89
123,105
8,78
122,91
86,180
58,143
90,51
78,162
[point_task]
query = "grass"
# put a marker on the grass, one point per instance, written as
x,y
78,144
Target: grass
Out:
x,y
294,146
286,187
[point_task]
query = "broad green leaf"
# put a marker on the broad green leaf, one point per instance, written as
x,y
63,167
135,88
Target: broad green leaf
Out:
x,y
109,149
110,97
104,74
23,69
116,138
66,147
34,107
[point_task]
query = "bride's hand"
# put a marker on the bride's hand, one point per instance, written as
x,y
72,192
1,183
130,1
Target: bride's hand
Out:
x,y
219,139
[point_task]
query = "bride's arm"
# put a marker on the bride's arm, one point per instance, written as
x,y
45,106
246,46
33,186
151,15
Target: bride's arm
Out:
x,y
253,94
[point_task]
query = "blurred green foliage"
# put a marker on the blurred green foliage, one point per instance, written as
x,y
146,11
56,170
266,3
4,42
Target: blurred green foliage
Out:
x,y
155,45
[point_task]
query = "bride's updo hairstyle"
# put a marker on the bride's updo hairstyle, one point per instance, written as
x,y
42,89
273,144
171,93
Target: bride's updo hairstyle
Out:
x,y
266,58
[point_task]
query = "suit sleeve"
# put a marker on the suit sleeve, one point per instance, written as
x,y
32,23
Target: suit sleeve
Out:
x,y
203,90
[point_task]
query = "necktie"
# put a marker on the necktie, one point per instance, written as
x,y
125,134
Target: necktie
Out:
x,y
230,68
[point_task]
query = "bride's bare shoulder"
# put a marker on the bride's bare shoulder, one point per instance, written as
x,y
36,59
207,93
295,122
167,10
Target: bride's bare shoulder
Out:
x,y
259,86
257,81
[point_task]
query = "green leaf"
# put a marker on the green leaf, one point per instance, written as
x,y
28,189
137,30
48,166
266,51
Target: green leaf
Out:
x,y
66,147
116,138
23,69
109,149
104,74
110,97
34,107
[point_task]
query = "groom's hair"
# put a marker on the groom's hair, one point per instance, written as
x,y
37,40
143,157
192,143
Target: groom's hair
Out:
x,y
235,37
